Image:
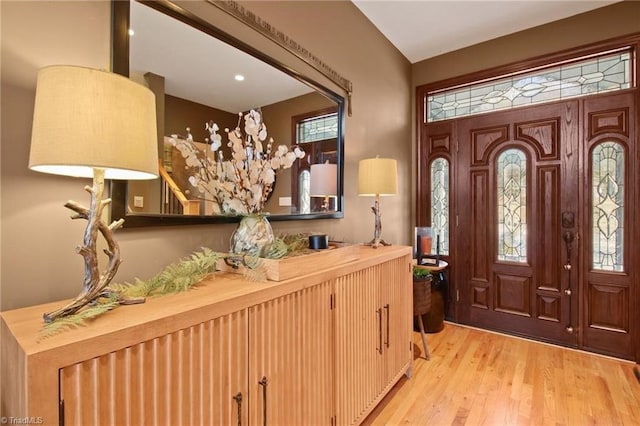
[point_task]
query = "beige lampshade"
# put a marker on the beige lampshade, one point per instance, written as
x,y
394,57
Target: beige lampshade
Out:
x,y
377,176
86,119
324,180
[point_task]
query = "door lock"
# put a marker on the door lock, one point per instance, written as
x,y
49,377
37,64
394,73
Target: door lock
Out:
x,y
568,219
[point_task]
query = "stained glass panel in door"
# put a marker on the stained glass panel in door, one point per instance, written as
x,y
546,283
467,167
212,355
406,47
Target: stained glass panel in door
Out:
x,y
607,188
512,205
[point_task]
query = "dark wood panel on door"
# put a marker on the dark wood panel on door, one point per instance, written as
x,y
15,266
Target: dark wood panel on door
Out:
x,y
609,314
518,286
574,281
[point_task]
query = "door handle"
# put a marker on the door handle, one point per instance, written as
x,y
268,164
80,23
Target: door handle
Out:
x,y
568,238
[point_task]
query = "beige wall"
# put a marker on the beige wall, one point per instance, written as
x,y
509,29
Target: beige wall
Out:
x,y
38,261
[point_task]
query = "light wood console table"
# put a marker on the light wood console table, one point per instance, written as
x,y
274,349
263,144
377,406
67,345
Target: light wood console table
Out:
x,y
324,348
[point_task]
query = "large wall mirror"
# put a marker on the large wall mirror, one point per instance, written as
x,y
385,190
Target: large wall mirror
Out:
x,y
192,67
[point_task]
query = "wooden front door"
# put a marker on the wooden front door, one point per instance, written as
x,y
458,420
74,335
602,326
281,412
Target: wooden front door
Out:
x,y
543,219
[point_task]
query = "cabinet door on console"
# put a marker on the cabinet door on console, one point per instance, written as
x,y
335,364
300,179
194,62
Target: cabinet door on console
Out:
x,y
373,334
358,344
290,360
191,376
396,298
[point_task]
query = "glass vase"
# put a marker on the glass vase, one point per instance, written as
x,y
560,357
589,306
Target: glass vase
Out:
x,y
253,236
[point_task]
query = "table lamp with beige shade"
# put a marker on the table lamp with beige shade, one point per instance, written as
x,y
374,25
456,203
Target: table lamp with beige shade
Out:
x,y
377,177
93,124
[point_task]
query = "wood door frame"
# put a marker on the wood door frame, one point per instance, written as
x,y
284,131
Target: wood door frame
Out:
x,y
426,151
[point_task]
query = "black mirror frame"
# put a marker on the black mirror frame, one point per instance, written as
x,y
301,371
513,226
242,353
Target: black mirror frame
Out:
x,y
120,22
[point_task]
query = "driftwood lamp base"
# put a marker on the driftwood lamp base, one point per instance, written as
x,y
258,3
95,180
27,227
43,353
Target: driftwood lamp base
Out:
x,y
95,284
377,232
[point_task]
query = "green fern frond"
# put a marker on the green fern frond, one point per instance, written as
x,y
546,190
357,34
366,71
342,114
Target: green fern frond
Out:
x,y
296,242
177,277
279,249
206,259
131,291
78,319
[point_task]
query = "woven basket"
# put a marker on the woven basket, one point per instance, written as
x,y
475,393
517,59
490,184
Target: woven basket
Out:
x,y
421,296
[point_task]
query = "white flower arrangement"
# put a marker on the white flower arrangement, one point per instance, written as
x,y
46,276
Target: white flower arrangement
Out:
x,y
242,184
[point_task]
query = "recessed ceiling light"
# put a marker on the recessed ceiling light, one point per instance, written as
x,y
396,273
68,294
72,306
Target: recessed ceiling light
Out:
x,y
239,77
131,32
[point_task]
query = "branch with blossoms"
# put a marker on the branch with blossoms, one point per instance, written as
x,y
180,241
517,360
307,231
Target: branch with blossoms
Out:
x,y
241,184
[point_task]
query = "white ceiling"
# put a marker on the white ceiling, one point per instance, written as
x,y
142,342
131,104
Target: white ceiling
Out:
x,y
202,68
422,29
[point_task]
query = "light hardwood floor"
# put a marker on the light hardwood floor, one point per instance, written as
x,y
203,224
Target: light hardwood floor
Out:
x,y
481,378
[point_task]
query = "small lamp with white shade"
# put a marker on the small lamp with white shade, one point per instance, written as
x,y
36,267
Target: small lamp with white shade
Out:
x,y
324,182
377,177
93,124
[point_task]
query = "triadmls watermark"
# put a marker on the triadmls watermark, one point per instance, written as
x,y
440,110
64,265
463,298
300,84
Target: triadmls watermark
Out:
x,y
21,420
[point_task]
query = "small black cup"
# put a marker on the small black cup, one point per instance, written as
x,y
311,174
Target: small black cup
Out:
x,y
317,242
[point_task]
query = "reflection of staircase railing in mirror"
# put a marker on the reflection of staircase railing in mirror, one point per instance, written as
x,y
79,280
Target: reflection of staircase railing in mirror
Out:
x,y
173,199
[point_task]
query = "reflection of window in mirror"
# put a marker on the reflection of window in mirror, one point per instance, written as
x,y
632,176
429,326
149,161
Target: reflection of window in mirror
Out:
x,y
317,134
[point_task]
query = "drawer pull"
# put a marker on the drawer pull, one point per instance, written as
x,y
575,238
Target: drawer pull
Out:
x,y
379,312
264,384
238,399
386,307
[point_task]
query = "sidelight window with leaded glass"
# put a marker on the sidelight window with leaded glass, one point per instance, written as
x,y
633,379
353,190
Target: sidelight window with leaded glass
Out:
x,y
608,72
440,204
511,179
607,206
